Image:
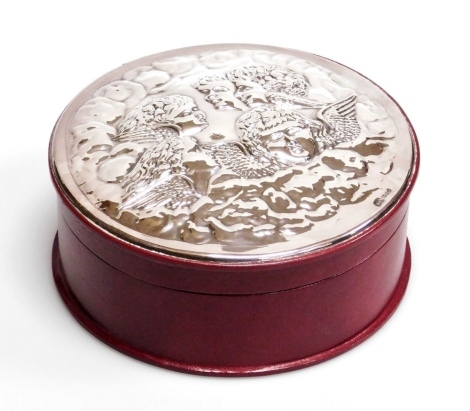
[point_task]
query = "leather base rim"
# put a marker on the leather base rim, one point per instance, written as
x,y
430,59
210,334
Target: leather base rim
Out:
x,y
88,323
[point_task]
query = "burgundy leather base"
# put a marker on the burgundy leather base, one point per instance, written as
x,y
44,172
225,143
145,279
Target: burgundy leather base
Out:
x,y
261,364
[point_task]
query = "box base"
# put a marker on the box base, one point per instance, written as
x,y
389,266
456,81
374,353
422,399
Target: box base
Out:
x,y
86,321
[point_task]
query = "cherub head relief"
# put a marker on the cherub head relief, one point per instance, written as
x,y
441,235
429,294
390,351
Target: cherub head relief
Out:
x,y
272,132
176,111
253,86
219,91
256,84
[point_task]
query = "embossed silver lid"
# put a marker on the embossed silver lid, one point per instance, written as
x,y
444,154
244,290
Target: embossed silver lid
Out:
x,y
233,152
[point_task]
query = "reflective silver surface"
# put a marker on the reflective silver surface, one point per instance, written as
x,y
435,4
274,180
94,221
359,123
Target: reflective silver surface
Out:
x,y
234,153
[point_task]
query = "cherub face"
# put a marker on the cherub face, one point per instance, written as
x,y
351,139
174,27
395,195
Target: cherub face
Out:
x,y
292,145
250,94
177,110
254,82
219,92
287,82
188,117
285,133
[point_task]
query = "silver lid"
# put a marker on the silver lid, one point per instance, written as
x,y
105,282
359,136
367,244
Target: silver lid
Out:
x,y
233,152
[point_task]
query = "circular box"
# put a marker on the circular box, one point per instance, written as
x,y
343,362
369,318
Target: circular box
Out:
x,y
232,209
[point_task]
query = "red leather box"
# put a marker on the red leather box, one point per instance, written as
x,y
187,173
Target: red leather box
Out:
x,y
232,209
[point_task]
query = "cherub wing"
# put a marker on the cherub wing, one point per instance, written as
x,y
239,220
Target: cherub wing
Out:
x,y
340,123
156,181
235,158
144,133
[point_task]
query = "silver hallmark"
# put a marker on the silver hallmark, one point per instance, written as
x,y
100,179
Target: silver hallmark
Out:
x,y
236,154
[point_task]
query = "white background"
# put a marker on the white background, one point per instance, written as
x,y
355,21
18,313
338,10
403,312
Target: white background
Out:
x,y
50,51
